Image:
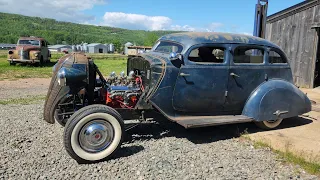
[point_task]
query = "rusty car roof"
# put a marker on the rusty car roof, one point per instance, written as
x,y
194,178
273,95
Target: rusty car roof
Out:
x,y
192,38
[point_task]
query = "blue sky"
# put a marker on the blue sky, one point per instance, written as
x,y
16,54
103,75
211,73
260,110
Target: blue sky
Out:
x,y
202,15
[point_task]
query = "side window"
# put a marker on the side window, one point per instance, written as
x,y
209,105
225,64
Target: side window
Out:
x,y
249,55
207,55
275,58
168,47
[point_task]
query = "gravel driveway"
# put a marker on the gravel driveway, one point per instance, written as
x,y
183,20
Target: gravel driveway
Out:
x,y
31,148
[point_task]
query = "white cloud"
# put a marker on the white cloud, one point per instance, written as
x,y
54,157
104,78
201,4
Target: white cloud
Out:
x,y
136,21
214,26
144,22
64,10
182,28
246,33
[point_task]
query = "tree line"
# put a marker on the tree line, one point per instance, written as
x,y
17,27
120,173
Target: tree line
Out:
x,y
58,32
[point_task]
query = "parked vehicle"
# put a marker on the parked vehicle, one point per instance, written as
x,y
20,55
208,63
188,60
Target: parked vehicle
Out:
x,y
193,79
30,50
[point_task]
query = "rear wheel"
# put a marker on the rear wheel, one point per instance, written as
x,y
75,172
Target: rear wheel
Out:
x,y
12,63
93,133
268,125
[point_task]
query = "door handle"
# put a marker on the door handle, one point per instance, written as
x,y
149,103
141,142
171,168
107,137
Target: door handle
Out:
x,y
234,75
183,74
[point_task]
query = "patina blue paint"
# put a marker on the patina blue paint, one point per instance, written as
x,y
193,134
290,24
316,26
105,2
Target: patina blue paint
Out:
x,y
188,39
208,89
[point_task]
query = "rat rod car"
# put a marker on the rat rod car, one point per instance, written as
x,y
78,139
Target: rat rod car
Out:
x,y
194,79
31,50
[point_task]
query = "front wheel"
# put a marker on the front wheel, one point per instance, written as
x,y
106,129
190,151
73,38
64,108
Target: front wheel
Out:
x,y
268,125
93,133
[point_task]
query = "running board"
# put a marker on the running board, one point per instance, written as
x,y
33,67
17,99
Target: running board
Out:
x,y
203,121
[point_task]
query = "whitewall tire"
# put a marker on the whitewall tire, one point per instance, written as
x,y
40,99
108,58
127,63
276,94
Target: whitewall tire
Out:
x,y
93,133
268,125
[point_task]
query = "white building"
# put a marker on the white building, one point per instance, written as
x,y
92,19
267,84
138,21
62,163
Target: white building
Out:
x,y
59,48
126,47
97,48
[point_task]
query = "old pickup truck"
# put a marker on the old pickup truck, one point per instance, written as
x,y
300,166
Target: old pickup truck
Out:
x,y
32,50
193,79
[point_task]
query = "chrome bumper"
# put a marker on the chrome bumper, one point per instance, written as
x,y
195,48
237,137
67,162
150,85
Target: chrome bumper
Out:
x,y
24,60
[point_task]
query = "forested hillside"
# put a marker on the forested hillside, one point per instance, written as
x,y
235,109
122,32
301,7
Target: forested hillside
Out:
x,y
13,26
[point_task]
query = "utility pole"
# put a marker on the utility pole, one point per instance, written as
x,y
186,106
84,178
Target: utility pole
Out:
x,y
260,19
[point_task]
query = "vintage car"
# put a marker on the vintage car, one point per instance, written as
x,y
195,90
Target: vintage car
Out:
x,y
30,50
193,79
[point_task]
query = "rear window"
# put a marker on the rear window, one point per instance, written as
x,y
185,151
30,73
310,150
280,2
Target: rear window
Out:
x,y
248,55
167,47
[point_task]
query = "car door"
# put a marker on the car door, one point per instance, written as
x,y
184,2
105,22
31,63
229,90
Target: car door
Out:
x,y
201,84
247,72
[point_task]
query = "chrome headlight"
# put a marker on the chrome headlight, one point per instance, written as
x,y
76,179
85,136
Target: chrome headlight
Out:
x,y
61,76
36,54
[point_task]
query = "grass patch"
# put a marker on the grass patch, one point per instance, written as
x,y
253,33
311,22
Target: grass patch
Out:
x,y
310,167
108,66
23,71
23,101
3,53
105,63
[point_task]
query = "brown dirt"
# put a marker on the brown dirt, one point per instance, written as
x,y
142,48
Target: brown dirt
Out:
x,y
23,87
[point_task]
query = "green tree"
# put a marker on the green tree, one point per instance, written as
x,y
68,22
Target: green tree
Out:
x,y
56,32
117,45
151,39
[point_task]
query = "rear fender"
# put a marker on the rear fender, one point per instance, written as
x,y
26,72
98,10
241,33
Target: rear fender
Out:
x,y
276,99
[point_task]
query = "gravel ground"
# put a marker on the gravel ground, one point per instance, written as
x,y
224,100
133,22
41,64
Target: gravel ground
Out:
x,y
23,88
31,148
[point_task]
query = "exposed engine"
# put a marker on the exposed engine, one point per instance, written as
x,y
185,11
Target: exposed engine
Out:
x,y
123,91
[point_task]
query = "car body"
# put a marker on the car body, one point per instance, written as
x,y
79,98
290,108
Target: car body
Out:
x,y
30,50
194,79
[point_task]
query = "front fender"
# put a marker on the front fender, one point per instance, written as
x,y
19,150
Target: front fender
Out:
x,y
276,99
34,54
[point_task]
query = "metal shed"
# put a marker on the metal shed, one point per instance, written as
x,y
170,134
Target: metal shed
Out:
x,y
296,31
97,48
59,48
126,47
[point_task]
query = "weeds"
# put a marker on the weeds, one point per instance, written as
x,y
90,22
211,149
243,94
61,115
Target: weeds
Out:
x,y
23,101
310,167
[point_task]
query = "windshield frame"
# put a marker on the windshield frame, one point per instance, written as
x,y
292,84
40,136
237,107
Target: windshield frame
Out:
x,y
156,45
25,40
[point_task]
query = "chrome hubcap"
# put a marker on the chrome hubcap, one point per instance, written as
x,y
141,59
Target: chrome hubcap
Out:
x,y
96,136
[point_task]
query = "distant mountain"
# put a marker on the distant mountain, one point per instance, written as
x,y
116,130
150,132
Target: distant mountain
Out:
x,y
56,32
